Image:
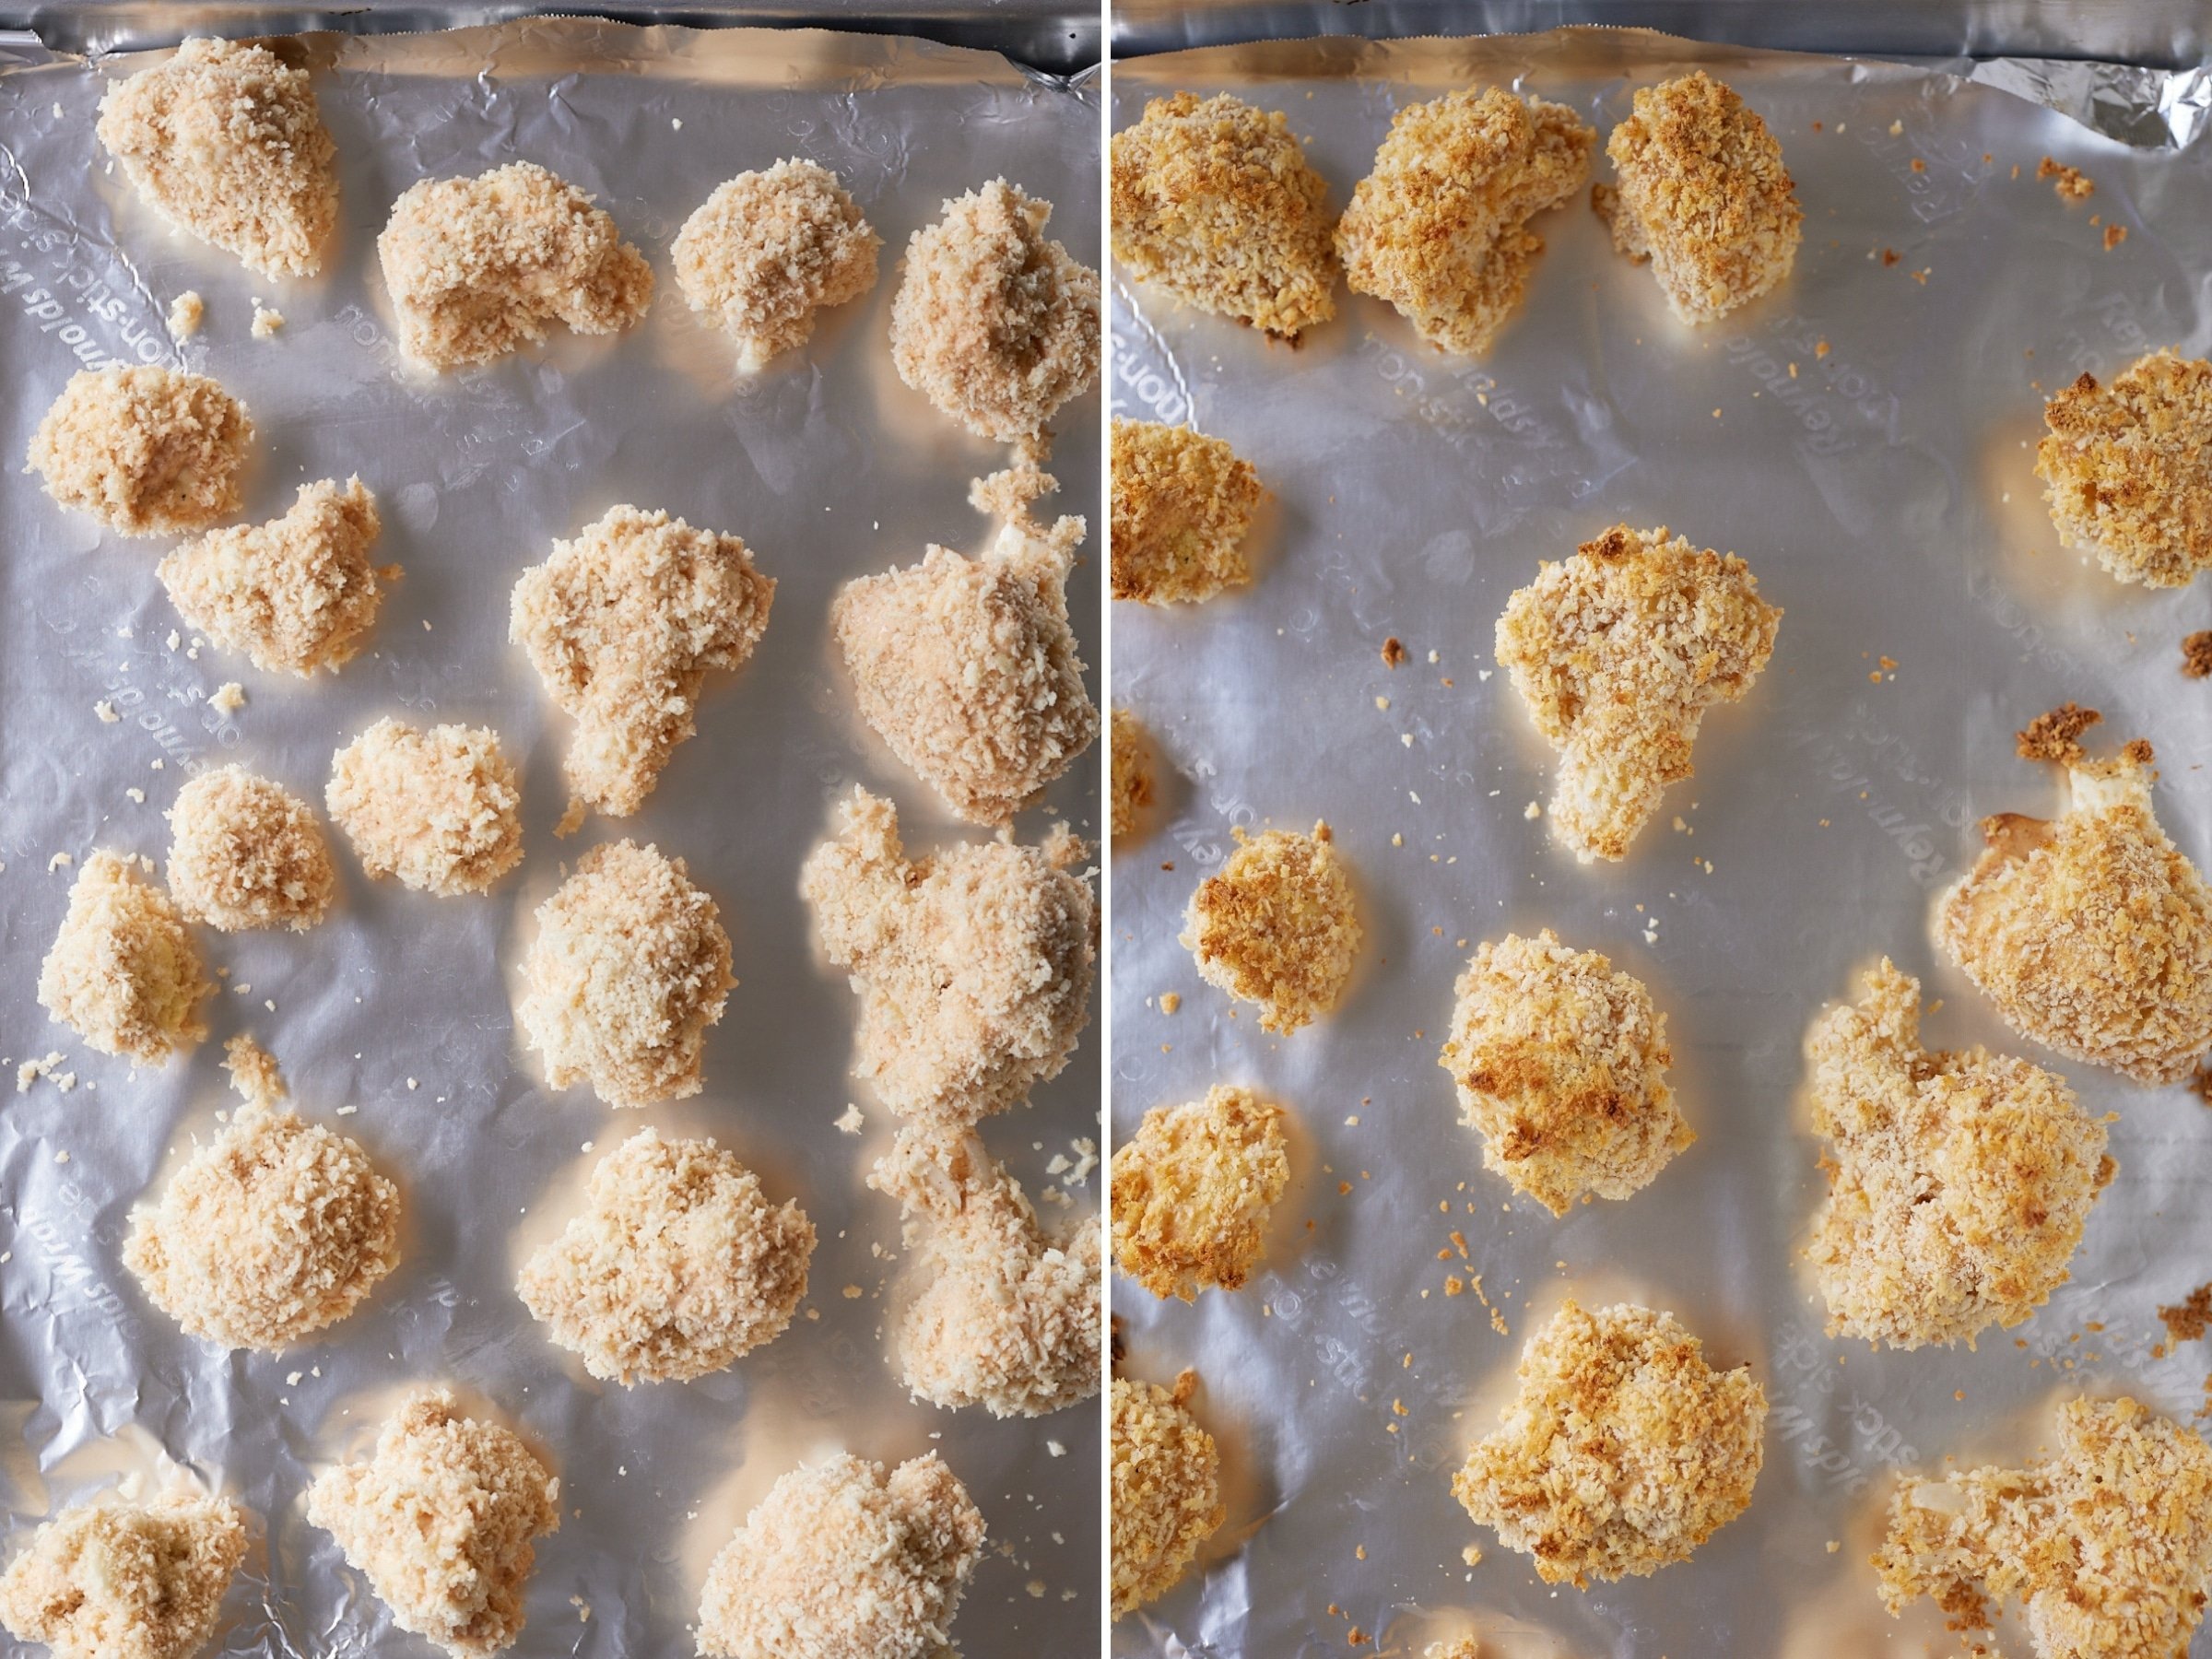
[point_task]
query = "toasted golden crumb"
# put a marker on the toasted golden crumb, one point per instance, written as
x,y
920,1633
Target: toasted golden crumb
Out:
x,y
1166,1491
995,324
1703,195
297,594
2128,469
1618,652
244,853
675,1267
1439,227
622,625
441,1521
478,268
186,311
224,141
1215,201
1182,503
2092,935
1132,791
439,809
2056,735
1193,1191
146,451
2197,654
125,1580
2107,1545
1622,1451
123,972
1465,1647
973,965
768,249
2189,1319
1276,926
2070,182
1562,1066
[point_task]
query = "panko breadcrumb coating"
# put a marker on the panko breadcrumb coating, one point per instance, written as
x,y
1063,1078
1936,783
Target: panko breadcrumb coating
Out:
x,y
2129,468
2107,1545
224,141
1182,503
1562,1066
768,249
1006,1316
973,965
125,1580
993,322
297,594
442,1521
244,853
677,1266
2092,935
123,972
1439,227
622,625
439,809
1213,201
1703,195
1618,652
1275,925
1193,1190
478,268
146,451
1132,791
1621,1453
1166,1489
1958,1181
629,968
839,1561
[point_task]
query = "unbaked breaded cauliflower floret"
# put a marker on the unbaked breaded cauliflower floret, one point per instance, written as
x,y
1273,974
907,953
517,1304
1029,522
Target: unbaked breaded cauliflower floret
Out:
x,y
1132,791
439,809
1193,1190
1618,652
839,1561
622,625
1165,1476
1182,503
146,451
1439,227
768,249
1703,195
478,268
1958,1181
1562,1066
677,1266
1621,1453
1006,1315
123,972
2129,468
224,141
1276,926
1213,201
125,1580
244,853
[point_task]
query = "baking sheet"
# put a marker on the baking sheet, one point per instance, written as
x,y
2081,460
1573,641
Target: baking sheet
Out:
x,y
1864,437
829,468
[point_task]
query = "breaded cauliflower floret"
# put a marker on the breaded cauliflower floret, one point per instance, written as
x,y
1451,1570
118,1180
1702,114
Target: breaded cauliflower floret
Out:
x,y
1618,652
297,594
1215,201
478,268
146,451
125,1580
1193,1190
768,249
1276,926
1439,227
1166,1488
244,853
840,1562
1621,1453
439,809
1703,195
1958,1181
2129,468
1133,790
1562,1066
123,972
1182,503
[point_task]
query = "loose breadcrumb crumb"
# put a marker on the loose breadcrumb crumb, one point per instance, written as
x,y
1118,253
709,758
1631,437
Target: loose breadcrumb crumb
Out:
x,y
2070,183
267,323
1193,1190
245,853
1182,503
123,972
1132,791
768,249
186,312
2196,656
2128,469
297,594
439,809
1276,926
146,451
127,1581
1166,1489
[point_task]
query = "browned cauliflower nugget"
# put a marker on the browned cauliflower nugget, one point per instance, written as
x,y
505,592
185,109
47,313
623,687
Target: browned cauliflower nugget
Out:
x,y
973,965
1562,1066
244,853
1165,1476
839,1561
2107,1545
622,625
677,1266
478,268
2129,468
1276,926
443,1520
123,972
1133,790
1622,1451
768,249
224,141
1618,652
146,451
439,809
1193,1190
1439,227
125,1580
1702,194
1213,201
1182,503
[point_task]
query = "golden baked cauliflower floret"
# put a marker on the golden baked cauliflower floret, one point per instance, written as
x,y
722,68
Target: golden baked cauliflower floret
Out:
x,y
768,249
1276,926
1165,1476
124,973
147,450
1193,1190
1133,789
1182,503
125,1580
2129,468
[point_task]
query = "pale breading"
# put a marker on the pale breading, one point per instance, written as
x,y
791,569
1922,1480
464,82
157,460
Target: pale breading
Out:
x,y
1165,1481
146,451
124,973
768,249
1132,787
2129,468
1276,926
441,810
1182,504
125,1580
1193,1191
244,853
